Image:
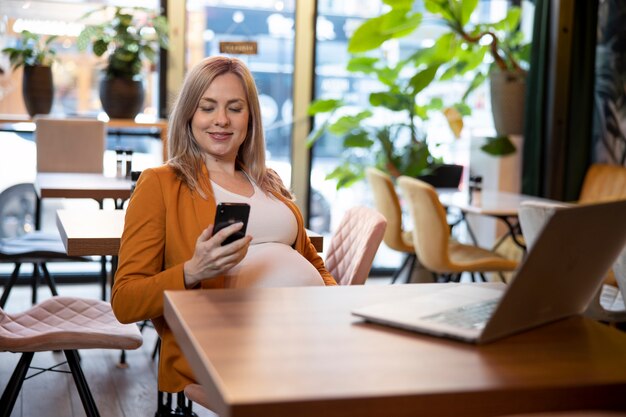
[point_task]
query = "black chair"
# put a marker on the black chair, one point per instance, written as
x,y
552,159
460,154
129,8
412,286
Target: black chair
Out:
x,y
20,243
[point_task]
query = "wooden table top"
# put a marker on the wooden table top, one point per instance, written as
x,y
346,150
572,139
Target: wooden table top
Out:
x,y
299,352
491,202
98,232
81,185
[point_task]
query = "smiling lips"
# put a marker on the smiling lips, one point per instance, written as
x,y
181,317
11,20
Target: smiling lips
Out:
x,y
220,136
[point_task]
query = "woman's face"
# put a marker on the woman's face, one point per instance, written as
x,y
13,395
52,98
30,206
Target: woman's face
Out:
x,y
220,122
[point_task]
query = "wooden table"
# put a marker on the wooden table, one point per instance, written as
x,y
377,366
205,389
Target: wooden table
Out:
x,y
98,232
299,352
81,185
160,124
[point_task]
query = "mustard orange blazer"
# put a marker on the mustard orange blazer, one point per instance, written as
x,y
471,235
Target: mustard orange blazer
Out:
x,y
163,221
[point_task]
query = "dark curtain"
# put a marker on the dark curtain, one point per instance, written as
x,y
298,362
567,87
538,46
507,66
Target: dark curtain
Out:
x,y
559,98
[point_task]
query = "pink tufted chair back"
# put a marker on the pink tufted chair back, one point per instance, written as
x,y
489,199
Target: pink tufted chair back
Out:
x,y
354,244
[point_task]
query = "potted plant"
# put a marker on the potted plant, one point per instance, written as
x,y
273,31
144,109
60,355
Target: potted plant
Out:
x,y
36,56
503,43
458,52
130,37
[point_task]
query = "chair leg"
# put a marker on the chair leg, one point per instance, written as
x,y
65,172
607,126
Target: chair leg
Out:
x,y
157,348
34,283
103,277
12,390
49,279
411,267
410,258
164,408
81,383
10,284
183,406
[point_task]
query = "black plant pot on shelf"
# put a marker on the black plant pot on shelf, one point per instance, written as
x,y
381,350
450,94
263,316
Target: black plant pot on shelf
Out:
x,y
37,89
121,98
444,176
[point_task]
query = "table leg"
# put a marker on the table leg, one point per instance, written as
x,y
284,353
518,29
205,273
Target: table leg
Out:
x,y
514,230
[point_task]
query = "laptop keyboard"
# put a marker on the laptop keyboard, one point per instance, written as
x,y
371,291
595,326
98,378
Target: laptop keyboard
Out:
x,y
473,316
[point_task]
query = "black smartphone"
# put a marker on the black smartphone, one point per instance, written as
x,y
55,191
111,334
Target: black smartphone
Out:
x,y
230,213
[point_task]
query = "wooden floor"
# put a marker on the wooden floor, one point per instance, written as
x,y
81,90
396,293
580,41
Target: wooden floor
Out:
x,y
130,392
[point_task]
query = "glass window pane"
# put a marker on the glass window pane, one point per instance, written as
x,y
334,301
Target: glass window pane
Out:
x,y
76,74
271,25
335,24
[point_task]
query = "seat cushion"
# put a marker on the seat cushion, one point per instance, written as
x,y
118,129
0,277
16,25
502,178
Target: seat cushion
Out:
x,y
473,258
60,323
36,246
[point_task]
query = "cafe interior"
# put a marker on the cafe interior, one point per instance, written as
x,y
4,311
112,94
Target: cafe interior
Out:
x,y
459,167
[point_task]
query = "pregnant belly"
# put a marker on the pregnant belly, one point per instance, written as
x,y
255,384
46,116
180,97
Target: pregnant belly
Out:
x,y
272,264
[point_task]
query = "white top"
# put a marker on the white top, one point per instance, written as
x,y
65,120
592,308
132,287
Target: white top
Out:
x,y
271,261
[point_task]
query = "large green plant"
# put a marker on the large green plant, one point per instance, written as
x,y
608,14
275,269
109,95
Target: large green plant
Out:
x,y
32,50
130,37
402,148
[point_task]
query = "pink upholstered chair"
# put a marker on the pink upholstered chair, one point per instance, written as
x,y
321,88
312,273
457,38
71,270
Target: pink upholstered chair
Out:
x,y
354,244
62,323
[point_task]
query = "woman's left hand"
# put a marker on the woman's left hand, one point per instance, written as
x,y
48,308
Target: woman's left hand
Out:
x,y
211,259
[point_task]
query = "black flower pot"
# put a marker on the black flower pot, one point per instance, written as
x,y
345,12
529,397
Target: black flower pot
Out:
x,y
121,98
444,176
37,89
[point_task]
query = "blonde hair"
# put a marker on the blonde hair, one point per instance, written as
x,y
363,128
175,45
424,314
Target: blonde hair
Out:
x,y
185,154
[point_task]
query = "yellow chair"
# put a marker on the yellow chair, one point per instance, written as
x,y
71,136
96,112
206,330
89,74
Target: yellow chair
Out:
x,y
388,204
431,237
602,183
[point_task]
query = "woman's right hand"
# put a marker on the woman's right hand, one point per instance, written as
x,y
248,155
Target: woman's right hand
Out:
x,y
211,259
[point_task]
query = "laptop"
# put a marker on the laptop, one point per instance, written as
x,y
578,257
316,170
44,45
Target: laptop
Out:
x,y
558,278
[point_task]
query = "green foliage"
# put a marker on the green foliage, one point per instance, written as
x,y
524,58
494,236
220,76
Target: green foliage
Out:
x,y
464,50
32,50
499,146
133,35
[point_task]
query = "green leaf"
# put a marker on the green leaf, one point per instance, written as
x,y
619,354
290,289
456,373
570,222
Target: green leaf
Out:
x,y
499,146
346,175
440,7
373,32
476,82
359,139
452,71
444,48
367,36
436,103
324,106
404,27
511,21
423,78
467,8
463,108
434,6
362,64
399,4
314,135
392,101
388,76
100,47
345,124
